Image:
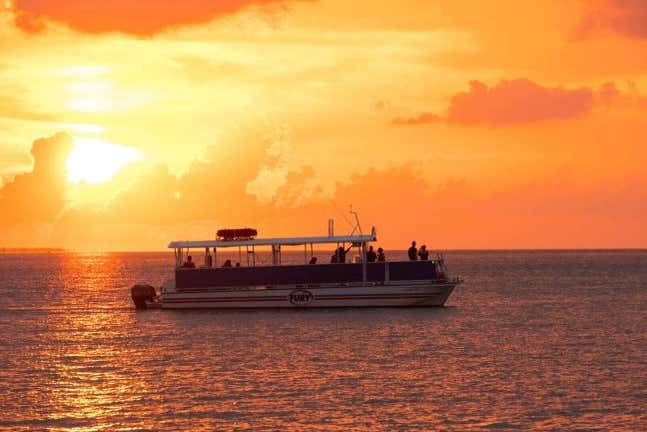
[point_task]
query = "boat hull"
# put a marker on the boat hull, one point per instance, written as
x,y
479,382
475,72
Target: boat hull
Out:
x,y
420,294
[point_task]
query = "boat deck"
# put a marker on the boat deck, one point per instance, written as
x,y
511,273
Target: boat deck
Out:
x,y
307,274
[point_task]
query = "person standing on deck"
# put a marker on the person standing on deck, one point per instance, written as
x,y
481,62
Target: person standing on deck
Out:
x,y
380,255
423,253
413,252
371,256
341,254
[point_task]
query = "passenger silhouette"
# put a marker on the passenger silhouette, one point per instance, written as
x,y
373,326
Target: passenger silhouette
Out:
x,y
371,256
413,252
423,253
188,263
380,255
227,263
313,260
341,253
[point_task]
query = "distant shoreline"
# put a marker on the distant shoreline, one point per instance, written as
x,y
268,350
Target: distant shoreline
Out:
x,y
30,250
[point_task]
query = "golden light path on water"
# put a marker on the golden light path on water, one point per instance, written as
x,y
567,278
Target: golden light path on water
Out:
x,y
517,348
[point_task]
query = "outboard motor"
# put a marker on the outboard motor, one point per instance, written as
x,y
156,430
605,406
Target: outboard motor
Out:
x,y
141,294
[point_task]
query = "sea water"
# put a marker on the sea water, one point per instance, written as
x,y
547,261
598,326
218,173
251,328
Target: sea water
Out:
x,y
533,340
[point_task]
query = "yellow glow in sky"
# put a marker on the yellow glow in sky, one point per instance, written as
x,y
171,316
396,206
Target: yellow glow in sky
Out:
x,y
84,128
96,161
89,105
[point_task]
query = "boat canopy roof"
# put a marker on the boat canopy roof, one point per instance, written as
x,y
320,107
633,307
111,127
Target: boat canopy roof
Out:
x,y
287,241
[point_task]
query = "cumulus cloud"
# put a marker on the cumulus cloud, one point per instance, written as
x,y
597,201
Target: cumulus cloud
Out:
x,y
422,118
510,102
157,206
274,172
623,17
140,17
456,213
38,195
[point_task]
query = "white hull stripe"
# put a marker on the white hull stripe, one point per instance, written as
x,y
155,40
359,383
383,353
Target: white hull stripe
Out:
x,y
320,297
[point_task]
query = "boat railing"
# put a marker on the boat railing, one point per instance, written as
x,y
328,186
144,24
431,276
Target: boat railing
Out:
x,y
318,264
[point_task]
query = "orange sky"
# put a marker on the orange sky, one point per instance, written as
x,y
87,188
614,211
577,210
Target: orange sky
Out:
x,y
462,124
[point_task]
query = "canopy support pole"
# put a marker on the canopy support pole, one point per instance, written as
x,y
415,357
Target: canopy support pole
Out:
x,y
363,252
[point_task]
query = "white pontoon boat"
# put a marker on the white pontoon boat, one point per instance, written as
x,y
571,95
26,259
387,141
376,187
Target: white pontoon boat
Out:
x,y
358,283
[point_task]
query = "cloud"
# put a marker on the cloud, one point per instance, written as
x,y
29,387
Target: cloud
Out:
x,y
553,211
510,102
139,17
623,17
518,101
39,195
274,172
422,118
13,108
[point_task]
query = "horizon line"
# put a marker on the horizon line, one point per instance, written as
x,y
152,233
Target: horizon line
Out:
x,y
35,250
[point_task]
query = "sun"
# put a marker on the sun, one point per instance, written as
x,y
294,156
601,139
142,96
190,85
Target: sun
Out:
x,y
96,161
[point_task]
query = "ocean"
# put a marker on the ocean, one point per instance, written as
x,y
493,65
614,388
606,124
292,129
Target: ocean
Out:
x,y
533,340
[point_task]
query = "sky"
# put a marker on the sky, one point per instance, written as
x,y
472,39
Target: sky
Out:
x,y
460,124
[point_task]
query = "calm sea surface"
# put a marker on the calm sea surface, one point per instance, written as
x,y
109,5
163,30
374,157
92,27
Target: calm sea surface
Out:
x,y
533,340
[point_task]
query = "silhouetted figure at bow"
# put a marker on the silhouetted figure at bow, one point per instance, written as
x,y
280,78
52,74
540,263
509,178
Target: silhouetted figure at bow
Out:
x,y
371,256
413,252
313,260
227,263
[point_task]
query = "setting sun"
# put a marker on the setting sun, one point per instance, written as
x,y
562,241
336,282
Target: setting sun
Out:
x,y
96,161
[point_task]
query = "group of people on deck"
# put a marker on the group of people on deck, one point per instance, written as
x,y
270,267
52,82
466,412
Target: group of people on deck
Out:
x,y
338,257
414,253
208,261
371,256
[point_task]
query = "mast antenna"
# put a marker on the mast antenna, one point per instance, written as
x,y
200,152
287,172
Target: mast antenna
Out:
x,y
357,227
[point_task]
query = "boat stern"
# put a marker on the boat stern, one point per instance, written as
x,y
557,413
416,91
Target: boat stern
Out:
x,y
143,295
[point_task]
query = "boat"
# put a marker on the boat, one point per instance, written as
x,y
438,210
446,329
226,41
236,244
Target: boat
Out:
x,y
356,283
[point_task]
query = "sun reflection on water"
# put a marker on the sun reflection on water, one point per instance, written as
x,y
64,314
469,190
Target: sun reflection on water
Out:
x,y
94,368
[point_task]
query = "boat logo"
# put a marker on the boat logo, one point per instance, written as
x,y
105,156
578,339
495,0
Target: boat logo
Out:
x,y
301,297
